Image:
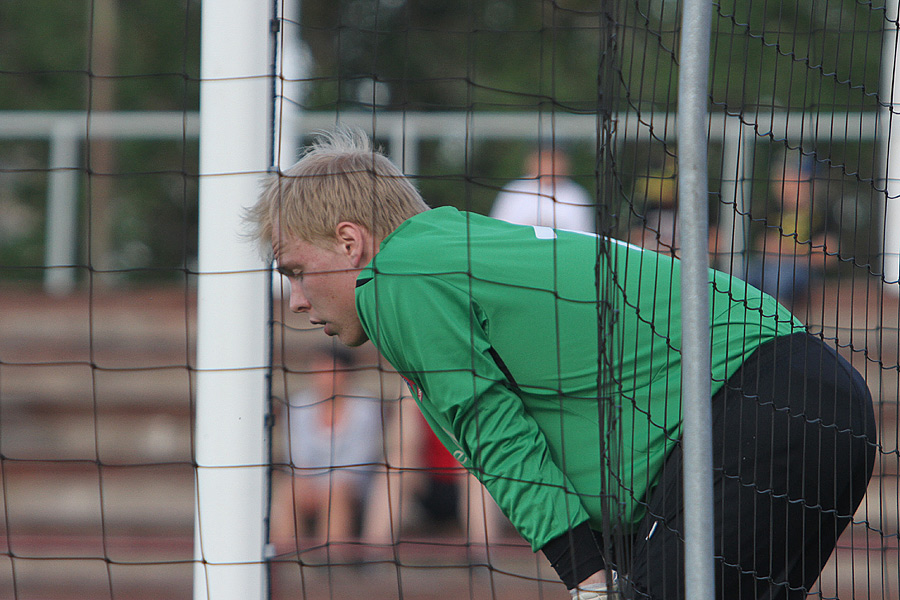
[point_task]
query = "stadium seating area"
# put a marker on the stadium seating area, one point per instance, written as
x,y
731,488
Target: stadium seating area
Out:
x,y
96,479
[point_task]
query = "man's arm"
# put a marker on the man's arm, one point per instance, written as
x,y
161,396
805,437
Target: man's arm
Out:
x,y
432,333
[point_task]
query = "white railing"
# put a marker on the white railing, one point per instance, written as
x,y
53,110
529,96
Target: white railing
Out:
x,y
67,132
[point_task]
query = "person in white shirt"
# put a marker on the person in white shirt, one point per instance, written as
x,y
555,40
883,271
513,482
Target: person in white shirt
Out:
x,y
335,446
546,196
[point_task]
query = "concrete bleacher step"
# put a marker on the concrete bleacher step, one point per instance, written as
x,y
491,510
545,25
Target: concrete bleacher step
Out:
x,y
97,479
138,574
107,438
865,564
83,497
122,536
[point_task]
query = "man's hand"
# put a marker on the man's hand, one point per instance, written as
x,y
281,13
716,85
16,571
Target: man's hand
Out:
x,y
594,588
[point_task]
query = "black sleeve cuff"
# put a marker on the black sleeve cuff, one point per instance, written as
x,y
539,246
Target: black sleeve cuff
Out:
x,y
574,555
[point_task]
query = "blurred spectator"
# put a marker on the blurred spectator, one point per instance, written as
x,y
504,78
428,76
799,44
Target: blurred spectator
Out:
x,y
441,493
452,495
391,505
335,442
422,487
651,224
722,255
788,256
546,196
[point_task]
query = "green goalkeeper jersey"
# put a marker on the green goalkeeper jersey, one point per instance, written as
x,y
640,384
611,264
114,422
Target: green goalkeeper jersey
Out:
x,y
495,328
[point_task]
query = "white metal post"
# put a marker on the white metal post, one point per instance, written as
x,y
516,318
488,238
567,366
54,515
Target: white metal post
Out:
x,y
61,245
737,159
232,347
889,146
693,127
292,67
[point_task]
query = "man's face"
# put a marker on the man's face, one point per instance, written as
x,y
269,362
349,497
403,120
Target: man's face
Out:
x,y
323,285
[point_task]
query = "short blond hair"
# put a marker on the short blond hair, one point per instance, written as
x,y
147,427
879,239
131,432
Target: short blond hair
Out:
x,y
339,177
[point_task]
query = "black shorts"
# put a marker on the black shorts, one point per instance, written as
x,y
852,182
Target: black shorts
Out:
x,y
794,445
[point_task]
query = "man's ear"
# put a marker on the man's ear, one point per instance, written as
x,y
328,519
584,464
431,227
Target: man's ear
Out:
x,y
353,241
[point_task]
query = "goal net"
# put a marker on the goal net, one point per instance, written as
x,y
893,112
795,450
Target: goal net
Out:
x,y
558,113
474,102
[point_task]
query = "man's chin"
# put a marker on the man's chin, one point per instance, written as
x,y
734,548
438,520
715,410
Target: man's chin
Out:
x,y
352,342
355,343
351,338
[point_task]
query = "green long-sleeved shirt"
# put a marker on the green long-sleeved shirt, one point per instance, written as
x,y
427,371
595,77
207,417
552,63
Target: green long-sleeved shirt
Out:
x,y
494,326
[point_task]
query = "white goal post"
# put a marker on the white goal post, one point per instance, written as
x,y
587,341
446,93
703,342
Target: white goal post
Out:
x,y
232,311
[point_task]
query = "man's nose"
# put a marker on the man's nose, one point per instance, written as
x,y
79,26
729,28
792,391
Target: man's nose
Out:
x,y
298,303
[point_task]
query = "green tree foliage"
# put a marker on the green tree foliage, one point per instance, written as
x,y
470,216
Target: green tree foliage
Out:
x,y
45,54
500,54
467,55
52,58
797,55
446,55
